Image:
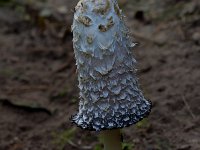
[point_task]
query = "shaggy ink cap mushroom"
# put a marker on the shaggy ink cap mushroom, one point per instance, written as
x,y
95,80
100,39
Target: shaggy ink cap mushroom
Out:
x,y
109,92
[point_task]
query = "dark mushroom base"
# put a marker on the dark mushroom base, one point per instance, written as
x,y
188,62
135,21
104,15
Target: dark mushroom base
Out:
x,y
121,121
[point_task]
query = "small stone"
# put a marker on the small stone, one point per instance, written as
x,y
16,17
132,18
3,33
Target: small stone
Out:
x,y
184,147
196,37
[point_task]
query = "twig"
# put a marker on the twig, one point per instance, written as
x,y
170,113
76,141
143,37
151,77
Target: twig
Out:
x,y
28,108
79,146
27,89
188,107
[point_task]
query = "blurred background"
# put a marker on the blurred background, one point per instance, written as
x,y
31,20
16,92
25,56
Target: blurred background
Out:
x,y
38,80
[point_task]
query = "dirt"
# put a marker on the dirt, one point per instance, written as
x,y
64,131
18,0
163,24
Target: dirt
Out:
x,y
38,80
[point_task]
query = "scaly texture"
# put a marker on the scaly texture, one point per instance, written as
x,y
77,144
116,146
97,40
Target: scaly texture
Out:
x,y
109,93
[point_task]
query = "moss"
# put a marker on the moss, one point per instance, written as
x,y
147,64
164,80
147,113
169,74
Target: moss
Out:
x,y
143,124
66,90
5,2
9,73
61,139
127,146
98,147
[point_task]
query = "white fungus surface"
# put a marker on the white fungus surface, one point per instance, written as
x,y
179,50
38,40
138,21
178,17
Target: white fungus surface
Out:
x,y
109,93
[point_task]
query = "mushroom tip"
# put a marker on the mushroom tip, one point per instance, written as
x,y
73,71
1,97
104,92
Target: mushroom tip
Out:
x,y
113,122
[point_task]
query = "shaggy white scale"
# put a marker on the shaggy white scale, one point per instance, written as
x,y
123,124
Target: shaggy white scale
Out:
x,y
109,93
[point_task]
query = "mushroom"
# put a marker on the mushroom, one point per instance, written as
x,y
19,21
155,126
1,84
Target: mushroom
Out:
x,y
110,97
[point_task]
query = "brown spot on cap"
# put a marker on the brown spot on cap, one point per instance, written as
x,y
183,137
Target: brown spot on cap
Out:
x,y
102,28
85,20
103,9
81,6
90,39
110,22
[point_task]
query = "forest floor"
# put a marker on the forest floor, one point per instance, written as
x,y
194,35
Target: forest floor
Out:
x,y
38,80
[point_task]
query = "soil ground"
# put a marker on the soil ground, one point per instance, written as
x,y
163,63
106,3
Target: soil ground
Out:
x,y
38,80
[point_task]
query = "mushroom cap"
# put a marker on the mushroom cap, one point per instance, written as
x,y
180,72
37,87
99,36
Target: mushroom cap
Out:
x,y
109,92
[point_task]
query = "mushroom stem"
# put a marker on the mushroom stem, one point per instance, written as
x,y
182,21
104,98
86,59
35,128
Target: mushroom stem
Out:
x,y
111,139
